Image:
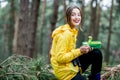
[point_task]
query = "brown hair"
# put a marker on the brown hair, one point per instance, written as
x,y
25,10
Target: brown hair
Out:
x,y
69,11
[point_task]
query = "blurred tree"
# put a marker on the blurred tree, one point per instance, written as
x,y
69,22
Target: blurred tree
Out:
x,y
22,29
54,16
93,27
118,1
9,29
65,7
107,55
25,42
53,22
42,26
97,21
33,26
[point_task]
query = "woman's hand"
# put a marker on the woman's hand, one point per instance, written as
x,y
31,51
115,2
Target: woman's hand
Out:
x,y
85,49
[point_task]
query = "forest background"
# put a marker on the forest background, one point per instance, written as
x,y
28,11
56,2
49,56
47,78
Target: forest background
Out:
x,y
26,26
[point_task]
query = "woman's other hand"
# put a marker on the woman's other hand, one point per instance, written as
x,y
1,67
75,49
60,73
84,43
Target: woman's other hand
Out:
x,y
85,49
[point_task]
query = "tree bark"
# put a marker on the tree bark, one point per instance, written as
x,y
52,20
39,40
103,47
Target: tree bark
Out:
x,y
25,42
93,18
65,7
97,22
55,14
53,22
41,27
9,29
109,35
22,37
32,27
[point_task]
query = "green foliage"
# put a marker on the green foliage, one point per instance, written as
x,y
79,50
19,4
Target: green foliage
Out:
x,y
19,67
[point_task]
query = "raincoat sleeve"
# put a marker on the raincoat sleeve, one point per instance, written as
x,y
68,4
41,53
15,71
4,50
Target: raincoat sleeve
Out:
x,y
64,55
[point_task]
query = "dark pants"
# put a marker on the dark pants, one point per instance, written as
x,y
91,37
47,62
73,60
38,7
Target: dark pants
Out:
x,y
93,58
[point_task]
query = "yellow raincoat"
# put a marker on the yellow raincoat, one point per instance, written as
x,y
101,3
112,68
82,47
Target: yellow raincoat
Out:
x,y
63,51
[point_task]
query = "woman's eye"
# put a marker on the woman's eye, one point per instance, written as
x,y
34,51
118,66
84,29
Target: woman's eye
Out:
x,y
75,14
72,14
78,14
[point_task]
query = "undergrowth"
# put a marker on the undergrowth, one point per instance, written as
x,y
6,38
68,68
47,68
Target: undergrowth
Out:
x,y
18,67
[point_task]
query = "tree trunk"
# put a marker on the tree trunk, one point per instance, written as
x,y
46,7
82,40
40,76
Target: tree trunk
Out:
x,y
53,22
93,18
15,33
41,27
97,22
25,42
55,15
109,35
9,30
113,73
22,37
65,7
32,27
5,38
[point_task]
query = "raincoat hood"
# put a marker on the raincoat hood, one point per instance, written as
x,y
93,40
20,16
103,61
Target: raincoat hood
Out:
x,y
62,29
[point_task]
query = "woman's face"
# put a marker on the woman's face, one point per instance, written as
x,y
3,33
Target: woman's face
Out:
x,y
75,18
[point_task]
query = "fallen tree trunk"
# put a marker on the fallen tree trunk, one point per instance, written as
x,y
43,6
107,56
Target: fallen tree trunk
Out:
x,y
112,73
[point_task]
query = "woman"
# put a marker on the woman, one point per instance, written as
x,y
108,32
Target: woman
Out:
x,y
69,62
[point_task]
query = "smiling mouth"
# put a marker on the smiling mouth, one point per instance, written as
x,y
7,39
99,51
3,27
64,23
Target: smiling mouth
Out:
x,y
76,21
